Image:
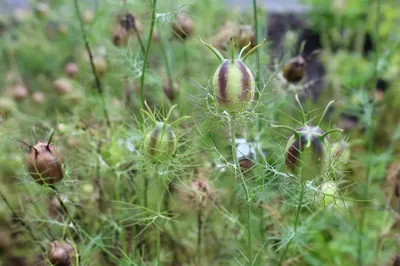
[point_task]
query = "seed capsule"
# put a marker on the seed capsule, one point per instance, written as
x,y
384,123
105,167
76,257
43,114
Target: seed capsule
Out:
x,y
160,144
233,82
62,86
306,152
38,97
183,26
71,69
328,192
119,36
61,253
19,92
246,36
171,92
295,69
45,164
100,64
340,151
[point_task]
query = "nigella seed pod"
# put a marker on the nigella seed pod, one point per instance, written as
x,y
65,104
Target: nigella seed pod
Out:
x,y
71,69
19,92
45,164
340,151
233,82
171,90
246,35
183,27
328,190
61,253
38,97
295,69
307,150
160,143
62,86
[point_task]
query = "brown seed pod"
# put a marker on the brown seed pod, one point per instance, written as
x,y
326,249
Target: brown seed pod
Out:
x,y
38,97
61,253
45,164
221,40
183,26
71,69
246,35
295,69
19,92
171,92
119,36
63,86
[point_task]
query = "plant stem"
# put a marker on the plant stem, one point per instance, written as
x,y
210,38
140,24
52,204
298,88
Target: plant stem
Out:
x,y
245,188
146,55
166,61
370,139
199,233
146,188
258,72
96,76
296,221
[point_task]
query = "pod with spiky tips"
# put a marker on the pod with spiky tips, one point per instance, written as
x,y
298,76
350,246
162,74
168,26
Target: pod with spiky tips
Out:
x,y
45,163
307,148
61,253
233,83
160,143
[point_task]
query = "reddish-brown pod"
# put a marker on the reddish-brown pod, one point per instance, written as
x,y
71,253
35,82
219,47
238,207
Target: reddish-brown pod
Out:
x,y
71,69
38,97
19,92
45,164
61,253
171,90
183,26
62,86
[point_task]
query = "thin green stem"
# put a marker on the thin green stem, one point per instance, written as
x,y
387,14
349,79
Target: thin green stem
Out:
x,y
93,67
146,55
145,192
246,190
296,221
199,234
370,139
166,61
258,72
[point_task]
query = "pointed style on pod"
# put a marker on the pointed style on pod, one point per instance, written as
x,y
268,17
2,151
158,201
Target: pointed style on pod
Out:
x,y
233,83
307,152
160,143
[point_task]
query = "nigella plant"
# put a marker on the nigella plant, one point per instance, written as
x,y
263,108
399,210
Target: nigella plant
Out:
x,y
233,83
307,149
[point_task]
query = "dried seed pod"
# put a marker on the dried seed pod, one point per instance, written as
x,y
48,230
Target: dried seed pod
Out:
x,y
160,143
246,36
19,92
71,69
61,253
38,97
295,69
227,31
119,36
246,153
128,22
183,26
100,65
45,164
233,83
172,92
62,86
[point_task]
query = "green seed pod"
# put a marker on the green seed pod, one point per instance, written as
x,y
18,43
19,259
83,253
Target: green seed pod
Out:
x,y
340,152
233,82
160,143
45,164
328,192
7,105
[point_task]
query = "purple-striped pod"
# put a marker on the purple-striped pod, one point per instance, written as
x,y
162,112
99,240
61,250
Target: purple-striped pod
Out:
x,y
233,83
307,151
160,143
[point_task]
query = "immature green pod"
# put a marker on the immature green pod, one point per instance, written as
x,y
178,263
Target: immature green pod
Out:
x,y
328,192
160,143
233,82
45,164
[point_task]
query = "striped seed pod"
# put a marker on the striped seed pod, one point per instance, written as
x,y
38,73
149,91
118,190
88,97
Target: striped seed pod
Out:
x,y
160,143
233,82
307,149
